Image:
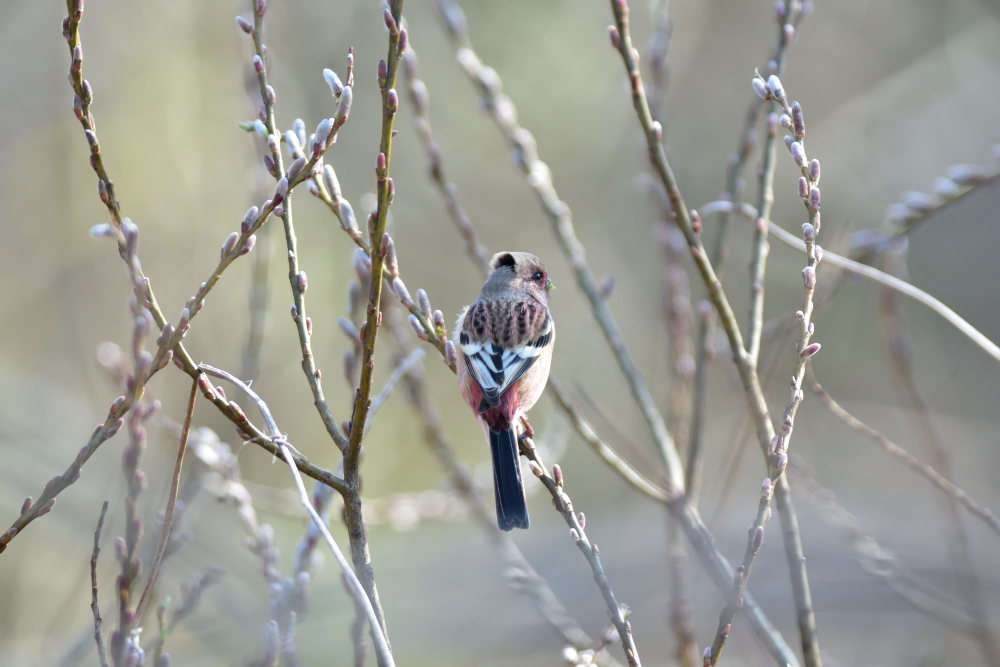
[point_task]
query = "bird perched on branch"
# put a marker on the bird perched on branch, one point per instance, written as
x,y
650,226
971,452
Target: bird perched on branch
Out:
x,y
504,340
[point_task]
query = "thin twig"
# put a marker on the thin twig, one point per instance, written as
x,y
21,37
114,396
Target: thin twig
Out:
x,y
356,589
788,19
296,277
380,246
753,393
435,167
778,449
957,537
870,272
402,368
168,513
610,456
879,561
734,184
94,606
913,463
554,483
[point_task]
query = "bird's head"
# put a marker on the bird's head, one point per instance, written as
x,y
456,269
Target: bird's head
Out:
x,y
520,272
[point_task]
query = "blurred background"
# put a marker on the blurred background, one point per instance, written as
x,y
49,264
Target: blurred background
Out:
x,y
894,92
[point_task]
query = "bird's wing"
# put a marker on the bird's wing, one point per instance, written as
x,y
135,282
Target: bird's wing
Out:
x,y
495,368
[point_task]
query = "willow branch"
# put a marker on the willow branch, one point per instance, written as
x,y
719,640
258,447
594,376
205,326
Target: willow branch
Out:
x,y
554,484
299,171
94,606
734,184
870,272
390,104
788,18
168,513
810,195
170,346
358,593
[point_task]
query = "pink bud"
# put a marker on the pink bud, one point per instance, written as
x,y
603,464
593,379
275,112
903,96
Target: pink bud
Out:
x,y
759,87
344,105
424,302
798,153
296,168
614,36
810,350
779,466
390,22
809,277
114,428
248,244
400,290
230,243
237,412
798,121
418,328
349,329
280,191
774,85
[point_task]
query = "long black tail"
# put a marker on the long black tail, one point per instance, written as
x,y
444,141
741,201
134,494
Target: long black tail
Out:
x,y
512,512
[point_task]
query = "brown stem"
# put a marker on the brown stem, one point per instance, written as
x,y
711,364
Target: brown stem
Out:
x,y
352,502
168,514
94,606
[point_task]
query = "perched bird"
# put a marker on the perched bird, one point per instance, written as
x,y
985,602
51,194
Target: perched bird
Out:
x,y
504,340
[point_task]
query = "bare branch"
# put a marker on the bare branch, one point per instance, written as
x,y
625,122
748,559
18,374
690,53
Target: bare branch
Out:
x,y
356,589
913,463
94,606
168,514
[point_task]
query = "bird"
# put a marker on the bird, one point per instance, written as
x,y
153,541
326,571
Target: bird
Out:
x,y
504,342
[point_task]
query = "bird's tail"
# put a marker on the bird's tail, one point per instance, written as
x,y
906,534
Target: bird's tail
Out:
x,y
512,511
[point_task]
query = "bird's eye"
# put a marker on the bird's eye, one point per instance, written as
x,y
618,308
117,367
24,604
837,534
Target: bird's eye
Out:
x,y
538,276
